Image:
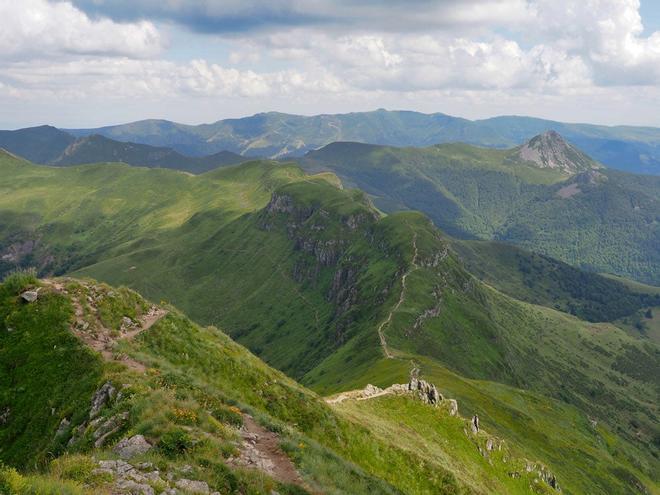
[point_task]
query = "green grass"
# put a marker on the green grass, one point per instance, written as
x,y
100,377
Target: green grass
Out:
x,y
303,273
488,194
42,363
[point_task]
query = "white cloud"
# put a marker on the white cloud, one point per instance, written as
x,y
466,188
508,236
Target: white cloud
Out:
x,y
38,27
472,52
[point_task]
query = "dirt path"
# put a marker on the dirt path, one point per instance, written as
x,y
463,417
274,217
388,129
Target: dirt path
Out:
x,y
388,320
100,338
261,450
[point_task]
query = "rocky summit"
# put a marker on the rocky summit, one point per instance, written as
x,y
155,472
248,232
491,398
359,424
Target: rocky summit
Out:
x,y
550,150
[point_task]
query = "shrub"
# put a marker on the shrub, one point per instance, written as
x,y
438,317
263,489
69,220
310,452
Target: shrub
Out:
x,y
175,442
230,415
73,467
11,482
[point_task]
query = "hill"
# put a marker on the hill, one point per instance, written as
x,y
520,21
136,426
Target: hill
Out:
x,y
633,149
51,146
105,392
318,284
548,282
96,148
40,144
597,219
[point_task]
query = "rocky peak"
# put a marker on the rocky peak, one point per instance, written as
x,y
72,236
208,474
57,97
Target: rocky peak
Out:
x,y
550,150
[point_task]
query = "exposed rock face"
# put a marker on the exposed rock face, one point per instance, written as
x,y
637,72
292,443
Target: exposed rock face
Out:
x,y
130,447
549,150
30,296
102,397
427,392
474,424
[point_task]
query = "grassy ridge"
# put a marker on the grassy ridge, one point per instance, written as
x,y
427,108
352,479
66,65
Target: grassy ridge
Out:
x,y
304,273
187,404
603,221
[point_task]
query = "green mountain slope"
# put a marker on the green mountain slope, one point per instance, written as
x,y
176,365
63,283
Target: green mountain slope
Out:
x,y
635,149
312,279
601,220
548,282
40,144
194,405
95,148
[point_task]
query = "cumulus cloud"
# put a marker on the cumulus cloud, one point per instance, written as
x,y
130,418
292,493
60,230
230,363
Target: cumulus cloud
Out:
x,y
125,78
473,51
39,27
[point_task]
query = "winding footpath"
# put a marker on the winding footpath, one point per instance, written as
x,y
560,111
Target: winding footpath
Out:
x,y
388,320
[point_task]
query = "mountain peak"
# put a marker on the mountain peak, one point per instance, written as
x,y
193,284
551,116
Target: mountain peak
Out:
x,y
551,150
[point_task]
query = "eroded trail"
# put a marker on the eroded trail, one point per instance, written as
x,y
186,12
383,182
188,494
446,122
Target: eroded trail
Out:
x,y
101,338
388,320
261,450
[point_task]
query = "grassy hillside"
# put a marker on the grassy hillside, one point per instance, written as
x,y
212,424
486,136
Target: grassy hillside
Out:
x,y
313,280
599,220
548,282
187,390
95,148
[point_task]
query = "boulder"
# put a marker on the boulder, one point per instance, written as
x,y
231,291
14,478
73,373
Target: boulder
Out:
x,y
30,296
192,486
130,447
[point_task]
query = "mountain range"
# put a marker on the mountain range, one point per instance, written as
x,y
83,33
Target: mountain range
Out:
x,y
559,366
633,149
276,135
546,196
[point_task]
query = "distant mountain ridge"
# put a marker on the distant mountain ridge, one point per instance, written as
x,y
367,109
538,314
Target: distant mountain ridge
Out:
x,y
97,148
274,135
50,146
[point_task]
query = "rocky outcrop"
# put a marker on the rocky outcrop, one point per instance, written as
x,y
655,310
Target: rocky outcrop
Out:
x,y
474,424
127,479
102,397
128,448
550,150
425,391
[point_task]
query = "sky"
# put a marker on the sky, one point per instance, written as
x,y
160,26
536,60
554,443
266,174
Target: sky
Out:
x,y
87,63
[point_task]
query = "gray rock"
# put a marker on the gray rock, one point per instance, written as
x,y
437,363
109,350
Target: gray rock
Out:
x,y
102,397
474,424
453,407
30,295
192,486
4,415
108,428
130,447
133,488
63,427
